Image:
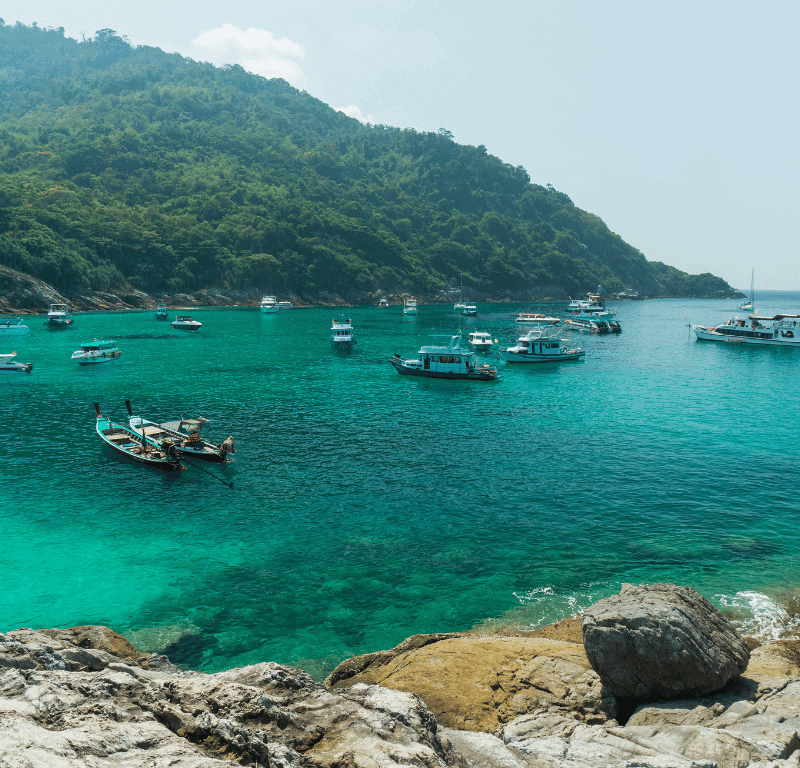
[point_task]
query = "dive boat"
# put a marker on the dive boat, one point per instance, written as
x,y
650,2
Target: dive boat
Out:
x,y
58,316
342,333
533,318
469,309
186,323
410,306
13,327
538,346
775,331
449,361
269,305
161,312
129,443
186,443
481,341
95,352
9,365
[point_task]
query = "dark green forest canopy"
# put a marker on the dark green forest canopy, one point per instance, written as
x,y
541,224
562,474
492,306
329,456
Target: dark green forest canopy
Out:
x,y
126,165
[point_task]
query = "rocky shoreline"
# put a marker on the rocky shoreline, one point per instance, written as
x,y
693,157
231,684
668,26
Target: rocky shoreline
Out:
x,y
85,697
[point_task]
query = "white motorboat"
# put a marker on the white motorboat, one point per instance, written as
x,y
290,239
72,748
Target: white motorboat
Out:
x,y
161,312
342,336
95,352
599,321
541,345
410,306
9,364
383,303
269,305
775,331
593,303
285,305
449,361
469,309
13,327
481,341
58,316
533,318
185,323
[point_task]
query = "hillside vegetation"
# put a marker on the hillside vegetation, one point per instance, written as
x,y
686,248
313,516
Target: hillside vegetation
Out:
x,y
131,166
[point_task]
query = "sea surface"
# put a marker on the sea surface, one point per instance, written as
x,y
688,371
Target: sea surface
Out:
x,y
368,506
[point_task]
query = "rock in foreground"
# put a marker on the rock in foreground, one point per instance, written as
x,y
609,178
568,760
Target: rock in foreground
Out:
x,y
661,641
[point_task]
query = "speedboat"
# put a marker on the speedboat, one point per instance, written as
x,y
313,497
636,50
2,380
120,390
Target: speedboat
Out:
x,y
269,305
125,441
95,352
410,306
58,316
775,331
481,341
186,323
342,333
470,310
450,361
161,312
13,327
8,364
533,318
538,346
186,443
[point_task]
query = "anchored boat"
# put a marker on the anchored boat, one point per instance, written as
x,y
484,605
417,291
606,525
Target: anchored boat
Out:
x,y
269,305
775,331
13,327
8,364
126,442
410,306
185,323
161,312
58,316
450,361
95,352
533,318
538,346
342,336
481,341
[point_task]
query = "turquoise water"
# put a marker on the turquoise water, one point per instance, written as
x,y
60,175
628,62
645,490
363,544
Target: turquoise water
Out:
x,y
369,506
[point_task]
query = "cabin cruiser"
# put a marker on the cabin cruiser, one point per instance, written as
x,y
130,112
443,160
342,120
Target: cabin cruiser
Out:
x,y
8,364
450,361
480,341
269,305
532,318
13,327
161,312
538,346
185,323
410,306
95,352
470,309
342,333
58,316
776,331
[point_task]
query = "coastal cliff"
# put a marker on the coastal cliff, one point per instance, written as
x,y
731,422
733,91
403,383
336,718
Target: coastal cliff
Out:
x,y
84,697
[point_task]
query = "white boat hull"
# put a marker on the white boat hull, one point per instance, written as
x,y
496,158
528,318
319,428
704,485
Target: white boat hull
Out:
x,y
705,333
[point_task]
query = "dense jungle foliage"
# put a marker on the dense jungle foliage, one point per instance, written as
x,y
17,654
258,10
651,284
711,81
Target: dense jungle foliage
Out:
x,y
127,165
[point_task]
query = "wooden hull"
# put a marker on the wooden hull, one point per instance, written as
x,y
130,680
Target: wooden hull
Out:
x,y
125,442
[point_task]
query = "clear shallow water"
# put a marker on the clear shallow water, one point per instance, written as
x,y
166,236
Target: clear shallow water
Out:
x,y
368,506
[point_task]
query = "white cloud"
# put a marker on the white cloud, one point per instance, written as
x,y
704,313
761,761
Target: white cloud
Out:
x,y
354,111
257,50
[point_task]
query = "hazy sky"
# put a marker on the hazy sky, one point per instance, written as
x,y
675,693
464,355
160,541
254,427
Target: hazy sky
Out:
x,y
676,123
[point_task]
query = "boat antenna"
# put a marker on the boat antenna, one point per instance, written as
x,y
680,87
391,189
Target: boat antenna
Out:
x,y
197,466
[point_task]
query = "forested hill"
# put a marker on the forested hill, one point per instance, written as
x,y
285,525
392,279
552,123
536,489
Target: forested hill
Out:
x,y
129,166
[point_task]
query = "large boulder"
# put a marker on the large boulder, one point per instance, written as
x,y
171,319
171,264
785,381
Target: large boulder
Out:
x,y
661,641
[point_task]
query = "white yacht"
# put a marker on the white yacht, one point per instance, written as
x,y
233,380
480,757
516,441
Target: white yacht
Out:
x,y
410,306
481,341
285,305
161,311
8,364
269,305
342,336
13,327
58,316
593,303
95,352
469,309
541,345
598,321
185,323
775,331
451,361
533,318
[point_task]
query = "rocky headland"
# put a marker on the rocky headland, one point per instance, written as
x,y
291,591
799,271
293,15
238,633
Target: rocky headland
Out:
x,y
654,677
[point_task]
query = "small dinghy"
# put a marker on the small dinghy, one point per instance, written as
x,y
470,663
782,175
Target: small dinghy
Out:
x,y
134,446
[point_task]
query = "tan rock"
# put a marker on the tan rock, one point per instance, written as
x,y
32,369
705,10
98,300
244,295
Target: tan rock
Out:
x,y
777,659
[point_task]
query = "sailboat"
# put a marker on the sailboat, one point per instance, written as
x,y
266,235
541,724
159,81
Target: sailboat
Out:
x,y
459,305
749,305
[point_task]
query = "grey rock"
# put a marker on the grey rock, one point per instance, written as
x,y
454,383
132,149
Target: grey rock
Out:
x,y
661,641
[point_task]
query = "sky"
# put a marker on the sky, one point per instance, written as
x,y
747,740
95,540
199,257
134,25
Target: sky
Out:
x,y
675,123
